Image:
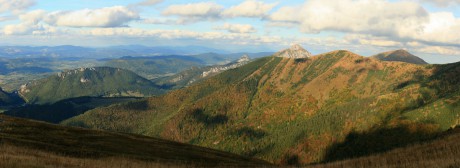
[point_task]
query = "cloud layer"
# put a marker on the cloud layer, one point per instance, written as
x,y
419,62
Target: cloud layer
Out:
x,y
105,17
330,24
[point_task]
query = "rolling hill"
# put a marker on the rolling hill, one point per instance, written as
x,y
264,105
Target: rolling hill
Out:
x,y
26,143
401,56
94,82
298,111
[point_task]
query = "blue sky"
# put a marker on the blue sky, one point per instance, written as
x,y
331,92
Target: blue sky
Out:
x,y
428,28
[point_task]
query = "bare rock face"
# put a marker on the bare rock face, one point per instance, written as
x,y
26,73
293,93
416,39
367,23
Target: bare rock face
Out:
x,y
296,51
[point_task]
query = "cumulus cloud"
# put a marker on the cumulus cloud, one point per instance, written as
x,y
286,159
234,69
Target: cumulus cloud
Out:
x,y
149,2
115,16
406,21
15,6
29,24
195,11
442,3
354,16
202,9
233,38
237,28
439,50
249,8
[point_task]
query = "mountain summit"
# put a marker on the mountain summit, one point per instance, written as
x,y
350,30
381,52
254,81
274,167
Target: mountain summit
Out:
x,y
296,51
400,56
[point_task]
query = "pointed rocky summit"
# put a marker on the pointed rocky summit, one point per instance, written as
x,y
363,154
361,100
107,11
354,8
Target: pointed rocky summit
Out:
x,y
296,51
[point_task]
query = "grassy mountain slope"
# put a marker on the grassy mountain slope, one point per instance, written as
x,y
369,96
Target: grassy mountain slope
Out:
x,y
400,56
30,140
101,81
443,151
298,111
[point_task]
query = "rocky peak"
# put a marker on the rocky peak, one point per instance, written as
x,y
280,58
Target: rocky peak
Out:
x,y
296,51
244,58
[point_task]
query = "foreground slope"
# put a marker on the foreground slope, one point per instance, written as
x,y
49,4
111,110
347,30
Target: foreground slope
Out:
x,y
298,111
100,81
444,151
28,140
400,56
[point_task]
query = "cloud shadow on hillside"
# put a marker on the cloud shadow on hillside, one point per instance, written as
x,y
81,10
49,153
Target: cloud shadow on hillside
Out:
x,y
358,144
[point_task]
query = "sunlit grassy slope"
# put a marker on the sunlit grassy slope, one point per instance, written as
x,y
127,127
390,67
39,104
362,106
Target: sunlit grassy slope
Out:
x,y
298,111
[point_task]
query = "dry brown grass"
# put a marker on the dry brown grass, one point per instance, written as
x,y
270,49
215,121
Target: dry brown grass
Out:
x,y
12,156
26,143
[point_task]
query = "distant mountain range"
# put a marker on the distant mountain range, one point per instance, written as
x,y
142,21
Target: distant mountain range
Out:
x,y
298,109
196,74
102,52
96,82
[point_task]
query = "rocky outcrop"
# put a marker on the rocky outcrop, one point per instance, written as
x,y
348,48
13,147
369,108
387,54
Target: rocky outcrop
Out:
x,y
218,69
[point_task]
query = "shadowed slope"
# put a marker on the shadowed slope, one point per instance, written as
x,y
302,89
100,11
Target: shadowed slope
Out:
x,y
82,143
443,151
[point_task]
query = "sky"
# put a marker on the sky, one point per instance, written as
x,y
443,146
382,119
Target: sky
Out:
x,y
427,28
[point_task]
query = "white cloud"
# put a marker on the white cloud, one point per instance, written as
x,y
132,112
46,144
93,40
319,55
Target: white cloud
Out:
x,y
443,27
15,6
249,8
195,11
358,16
149,2
439,50
406,21
287,14
232,38
29,24
442,3
115,16
237,28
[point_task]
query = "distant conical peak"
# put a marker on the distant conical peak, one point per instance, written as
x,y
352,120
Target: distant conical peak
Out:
x,y
400,55
295,51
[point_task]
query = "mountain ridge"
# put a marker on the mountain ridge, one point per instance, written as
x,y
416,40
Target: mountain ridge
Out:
x,y
400,55
99,81
272,107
